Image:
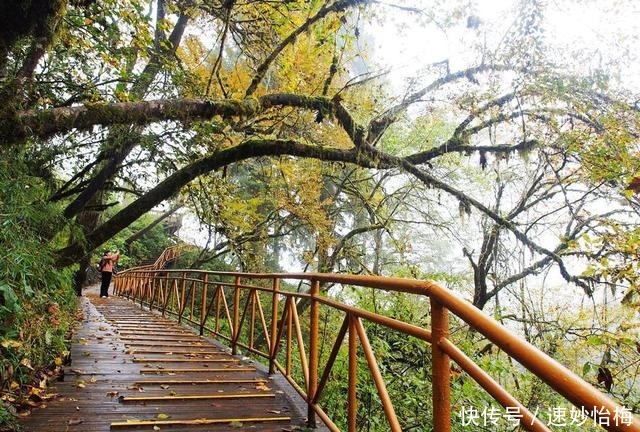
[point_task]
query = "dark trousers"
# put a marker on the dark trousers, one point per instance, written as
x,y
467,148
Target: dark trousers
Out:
x,y
104,287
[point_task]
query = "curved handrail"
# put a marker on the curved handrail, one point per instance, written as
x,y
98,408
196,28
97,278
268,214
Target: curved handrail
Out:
x,y
146,284
167,255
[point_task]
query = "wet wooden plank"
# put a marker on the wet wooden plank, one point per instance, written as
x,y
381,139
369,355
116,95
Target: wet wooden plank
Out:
x,y
117,383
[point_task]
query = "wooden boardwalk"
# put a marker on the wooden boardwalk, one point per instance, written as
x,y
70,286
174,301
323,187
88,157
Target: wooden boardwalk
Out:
x,y
134,370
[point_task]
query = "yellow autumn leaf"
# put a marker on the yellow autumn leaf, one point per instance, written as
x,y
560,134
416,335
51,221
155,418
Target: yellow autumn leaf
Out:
x,y
10,343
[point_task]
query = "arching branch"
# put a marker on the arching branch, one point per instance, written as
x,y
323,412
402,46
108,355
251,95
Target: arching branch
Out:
x,y
173,183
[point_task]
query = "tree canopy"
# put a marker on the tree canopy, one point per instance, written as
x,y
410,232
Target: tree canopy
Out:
x,y
279,128
112,97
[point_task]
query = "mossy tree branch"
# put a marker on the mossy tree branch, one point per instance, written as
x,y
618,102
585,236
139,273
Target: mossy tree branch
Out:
x,y
173,183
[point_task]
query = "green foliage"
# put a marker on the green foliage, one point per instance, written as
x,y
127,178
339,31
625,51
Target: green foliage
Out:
x,y
37,304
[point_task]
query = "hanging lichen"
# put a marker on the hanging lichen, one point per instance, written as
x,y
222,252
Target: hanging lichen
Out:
x,y
464,208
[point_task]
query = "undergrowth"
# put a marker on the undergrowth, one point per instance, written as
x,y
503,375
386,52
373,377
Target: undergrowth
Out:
x,y
37,303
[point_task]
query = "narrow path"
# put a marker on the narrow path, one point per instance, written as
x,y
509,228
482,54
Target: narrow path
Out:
x,y
134,370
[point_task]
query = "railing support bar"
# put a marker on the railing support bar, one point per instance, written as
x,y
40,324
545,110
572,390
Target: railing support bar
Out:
x,y
387,406
203,305
528,421
352,404
314,316
183,293
274,326
236,316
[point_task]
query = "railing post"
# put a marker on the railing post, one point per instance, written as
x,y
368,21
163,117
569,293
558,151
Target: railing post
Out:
x,y
314,317
352,402
236,317
183,290
152,283
193,299
441,392
274,326
165,297
203,315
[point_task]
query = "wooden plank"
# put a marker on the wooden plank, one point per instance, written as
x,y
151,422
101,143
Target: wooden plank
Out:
x,y
167,351
185,338
208,381
150,344
196,370
129,399
201,421
184,360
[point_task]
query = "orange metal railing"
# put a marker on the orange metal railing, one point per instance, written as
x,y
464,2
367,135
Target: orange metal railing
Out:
x,y
169,255
229,306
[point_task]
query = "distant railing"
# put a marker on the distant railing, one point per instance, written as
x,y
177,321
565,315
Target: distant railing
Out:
x,y
167,257
229,305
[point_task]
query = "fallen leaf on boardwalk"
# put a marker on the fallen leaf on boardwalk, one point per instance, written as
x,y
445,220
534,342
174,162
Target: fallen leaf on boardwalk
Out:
x,y
132,420
279,392
77,371
86,353
273,411
102,328
172,393
112,394
156,428
164,386
75,421
235,424
82,341
163,416
262,386
50,396
93,379
80,384
77,408
200,421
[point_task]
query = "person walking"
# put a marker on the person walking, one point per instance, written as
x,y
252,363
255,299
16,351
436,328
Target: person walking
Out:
x,y
108,261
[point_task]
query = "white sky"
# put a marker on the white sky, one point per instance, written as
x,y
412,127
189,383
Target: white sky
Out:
x,y
606,32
